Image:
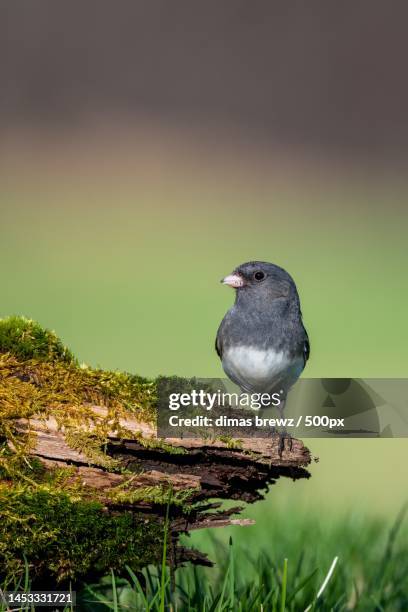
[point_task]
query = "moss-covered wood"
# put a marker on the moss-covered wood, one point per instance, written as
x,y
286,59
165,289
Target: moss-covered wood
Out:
x,y
85,482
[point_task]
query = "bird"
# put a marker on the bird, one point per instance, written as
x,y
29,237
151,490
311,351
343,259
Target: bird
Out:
x,y
261,341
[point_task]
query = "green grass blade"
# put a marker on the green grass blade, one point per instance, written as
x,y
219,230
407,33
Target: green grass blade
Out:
x,y
214,605
255,598
220,605
284,585
158,597
98,598
324,584
164,557
380,577
138,587
301,585
232,576
115,593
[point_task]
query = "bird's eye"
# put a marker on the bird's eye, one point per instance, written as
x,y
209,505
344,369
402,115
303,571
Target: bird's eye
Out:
x,y
259,276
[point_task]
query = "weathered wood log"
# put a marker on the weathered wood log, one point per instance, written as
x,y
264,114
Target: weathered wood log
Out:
x,y
207,469
86,483
198,466
204,470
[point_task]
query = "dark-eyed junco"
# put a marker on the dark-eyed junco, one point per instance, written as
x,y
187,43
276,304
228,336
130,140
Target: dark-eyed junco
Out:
x,y
261,341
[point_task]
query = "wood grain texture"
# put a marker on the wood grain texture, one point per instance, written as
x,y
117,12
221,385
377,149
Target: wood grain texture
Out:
x,y
211,468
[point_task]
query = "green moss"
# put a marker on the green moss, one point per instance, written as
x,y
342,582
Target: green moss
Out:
x,y
40,377
231,442
26,339
64,531
48,516
158,495
68,392
63,537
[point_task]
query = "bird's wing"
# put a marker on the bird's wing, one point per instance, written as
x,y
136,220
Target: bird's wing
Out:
x,y
306,349
221,335
218,346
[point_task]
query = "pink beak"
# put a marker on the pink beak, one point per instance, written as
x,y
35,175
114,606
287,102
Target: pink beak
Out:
x,y
233,280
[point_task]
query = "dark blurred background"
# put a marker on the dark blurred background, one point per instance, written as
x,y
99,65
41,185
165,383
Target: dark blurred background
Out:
x,y
326,75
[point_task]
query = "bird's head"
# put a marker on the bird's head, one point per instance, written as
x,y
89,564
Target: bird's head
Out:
x,y
260,280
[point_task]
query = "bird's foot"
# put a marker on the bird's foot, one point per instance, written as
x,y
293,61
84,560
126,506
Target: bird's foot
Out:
x,y
284,435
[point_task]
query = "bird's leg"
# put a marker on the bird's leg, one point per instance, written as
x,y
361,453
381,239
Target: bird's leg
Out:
x,y
283,433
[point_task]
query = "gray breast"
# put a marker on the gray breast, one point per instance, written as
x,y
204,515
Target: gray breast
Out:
x,y
260,370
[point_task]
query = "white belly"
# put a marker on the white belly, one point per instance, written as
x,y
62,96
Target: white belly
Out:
x,y
258,370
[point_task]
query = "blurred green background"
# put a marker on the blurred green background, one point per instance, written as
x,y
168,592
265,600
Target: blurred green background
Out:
x,y
120,248
119,243
145,152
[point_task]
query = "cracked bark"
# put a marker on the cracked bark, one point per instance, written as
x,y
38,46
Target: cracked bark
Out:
x,y
211,469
